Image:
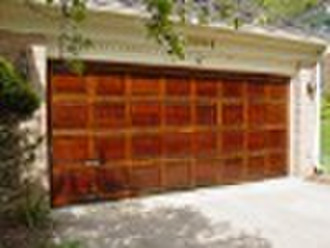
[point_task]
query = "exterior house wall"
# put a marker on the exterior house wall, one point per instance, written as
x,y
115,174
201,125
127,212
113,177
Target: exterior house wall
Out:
x,y
236,51
304,121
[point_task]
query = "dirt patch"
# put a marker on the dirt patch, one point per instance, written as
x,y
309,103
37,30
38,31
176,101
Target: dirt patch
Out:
x,y
17,235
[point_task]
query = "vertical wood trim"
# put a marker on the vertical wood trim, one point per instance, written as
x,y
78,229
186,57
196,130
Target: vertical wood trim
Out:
x,y
162,165
90,81
219,168
245,131
128,134
193,108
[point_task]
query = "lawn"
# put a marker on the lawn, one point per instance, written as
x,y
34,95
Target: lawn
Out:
x,y
325,138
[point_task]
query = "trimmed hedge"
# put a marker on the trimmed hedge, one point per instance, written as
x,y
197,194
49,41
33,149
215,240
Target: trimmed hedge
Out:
x,y
17,97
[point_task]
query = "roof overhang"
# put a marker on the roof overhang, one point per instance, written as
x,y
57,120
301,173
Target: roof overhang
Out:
x,y
122,36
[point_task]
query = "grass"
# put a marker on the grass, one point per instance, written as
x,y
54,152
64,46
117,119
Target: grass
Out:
x,y
325,135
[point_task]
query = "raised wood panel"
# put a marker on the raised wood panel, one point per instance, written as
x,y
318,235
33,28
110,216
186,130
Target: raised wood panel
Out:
x,y
232,114
109,115
256,114
256,141
70,115
177,144
113,85
65,84
205,143
207,89
178,87
70,148
232,90
276,114
233,170
276,139
146,114
145,178
177,174
177,115
232,141
206,114
277,91
256,167
256,91
146,145
206,171
110,181
145,86
110,147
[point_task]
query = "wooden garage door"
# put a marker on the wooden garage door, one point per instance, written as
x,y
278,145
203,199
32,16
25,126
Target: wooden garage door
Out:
x,y
121,130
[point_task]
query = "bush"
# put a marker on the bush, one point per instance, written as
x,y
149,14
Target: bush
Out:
x,y
18,144
17,97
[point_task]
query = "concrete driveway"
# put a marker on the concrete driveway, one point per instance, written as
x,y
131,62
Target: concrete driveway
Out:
x,y
281,213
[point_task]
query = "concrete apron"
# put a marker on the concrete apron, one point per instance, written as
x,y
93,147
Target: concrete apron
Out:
x,y
281,213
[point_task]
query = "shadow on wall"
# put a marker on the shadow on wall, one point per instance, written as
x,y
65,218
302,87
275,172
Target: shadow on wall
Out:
x,y
163,227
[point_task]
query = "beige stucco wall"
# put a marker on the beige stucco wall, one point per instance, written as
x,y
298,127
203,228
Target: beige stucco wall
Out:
x,y
304,121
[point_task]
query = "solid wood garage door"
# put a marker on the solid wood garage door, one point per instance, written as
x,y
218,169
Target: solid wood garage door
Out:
x,y
125,130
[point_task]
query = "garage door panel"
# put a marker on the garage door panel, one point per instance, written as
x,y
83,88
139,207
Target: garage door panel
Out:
x,y
113,85
68,85
178,87
177,174
70,115
233,170
206,172
256,91
206,114
146,145
111,147
232,90
256,140
70,148
276,162
146,114
276,139
256,167
207,88
276,114
145,178
109,115
277,91
177,144
232,141
146,86
256,115
177,114
205,143
232,114
76,185
113,181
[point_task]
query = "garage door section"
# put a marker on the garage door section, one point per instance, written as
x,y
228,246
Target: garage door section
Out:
x,y
120,131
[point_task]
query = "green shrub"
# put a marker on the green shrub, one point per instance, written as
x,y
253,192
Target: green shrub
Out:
x,y
17,97
18,144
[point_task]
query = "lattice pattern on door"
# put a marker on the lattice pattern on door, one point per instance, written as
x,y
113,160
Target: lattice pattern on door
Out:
x,y
125,133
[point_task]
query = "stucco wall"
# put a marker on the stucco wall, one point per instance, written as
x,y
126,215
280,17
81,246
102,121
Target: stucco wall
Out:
x,y
304,121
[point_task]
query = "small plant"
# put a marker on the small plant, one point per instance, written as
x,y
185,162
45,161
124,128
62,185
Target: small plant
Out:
x,y
17,97
68,244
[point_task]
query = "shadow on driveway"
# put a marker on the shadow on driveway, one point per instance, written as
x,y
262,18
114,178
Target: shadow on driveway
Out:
x,y
131,225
